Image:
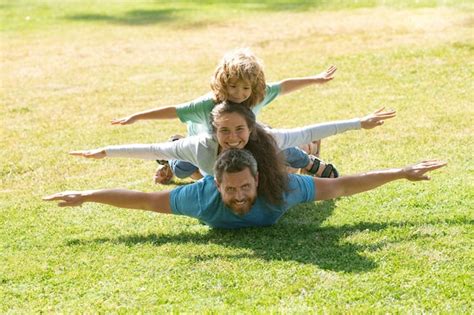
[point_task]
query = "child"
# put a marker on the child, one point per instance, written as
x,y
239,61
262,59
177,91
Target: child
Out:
x,y
239,78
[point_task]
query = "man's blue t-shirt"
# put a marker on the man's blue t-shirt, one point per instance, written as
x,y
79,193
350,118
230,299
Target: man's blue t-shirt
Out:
x,y
202,200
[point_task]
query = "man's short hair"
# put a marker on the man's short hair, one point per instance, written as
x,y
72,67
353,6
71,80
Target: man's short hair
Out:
x,y
233,161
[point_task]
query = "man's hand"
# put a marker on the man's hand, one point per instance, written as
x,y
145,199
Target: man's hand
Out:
x,y
124,120
416,172
122,198
377,118
67,198
326,76
91,154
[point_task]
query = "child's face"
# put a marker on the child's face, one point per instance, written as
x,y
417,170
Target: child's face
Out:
x,y
238,91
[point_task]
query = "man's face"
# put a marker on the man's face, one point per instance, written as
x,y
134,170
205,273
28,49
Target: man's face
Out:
x,y
238,190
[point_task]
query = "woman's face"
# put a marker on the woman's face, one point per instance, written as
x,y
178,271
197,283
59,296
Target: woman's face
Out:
x,y
238,91
232,131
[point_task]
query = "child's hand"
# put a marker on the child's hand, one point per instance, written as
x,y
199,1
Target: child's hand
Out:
x,y
124,121
327,75
92,154
377,118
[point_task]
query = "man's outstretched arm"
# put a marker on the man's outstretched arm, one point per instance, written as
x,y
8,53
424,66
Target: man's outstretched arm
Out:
x,y
329,188
122,198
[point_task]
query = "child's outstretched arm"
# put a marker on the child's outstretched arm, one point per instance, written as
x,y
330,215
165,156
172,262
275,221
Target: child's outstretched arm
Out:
x,y
168,112
293,84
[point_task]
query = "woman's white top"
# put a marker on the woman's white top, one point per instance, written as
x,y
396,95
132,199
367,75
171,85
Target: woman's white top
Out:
x,y
201,150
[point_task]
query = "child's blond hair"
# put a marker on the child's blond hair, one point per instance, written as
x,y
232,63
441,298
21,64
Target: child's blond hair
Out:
x,y
243,65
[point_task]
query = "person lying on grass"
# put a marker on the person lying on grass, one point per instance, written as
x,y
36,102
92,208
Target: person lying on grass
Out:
x,y
234,126
233,198
238,78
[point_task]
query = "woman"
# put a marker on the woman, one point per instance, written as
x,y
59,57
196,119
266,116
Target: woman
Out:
x,y
234,126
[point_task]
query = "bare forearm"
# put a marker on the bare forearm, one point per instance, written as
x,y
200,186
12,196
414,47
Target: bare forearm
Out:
x,y
168,112
294,84
329,188
123,198
355,184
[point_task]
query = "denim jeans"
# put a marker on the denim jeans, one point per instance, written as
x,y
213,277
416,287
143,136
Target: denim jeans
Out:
x,y
182,169
294,157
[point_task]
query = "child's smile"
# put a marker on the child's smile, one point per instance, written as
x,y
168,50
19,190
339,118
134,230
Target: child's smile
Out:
x,y
238,91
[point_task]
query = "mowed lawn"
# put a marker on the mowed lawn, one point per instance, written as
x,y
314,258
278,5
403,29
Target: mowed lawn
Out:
x,y
69,67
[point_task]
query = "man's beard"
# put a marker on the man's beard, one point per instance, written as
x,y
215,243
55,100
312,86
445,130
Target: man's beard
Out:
x,y
239,208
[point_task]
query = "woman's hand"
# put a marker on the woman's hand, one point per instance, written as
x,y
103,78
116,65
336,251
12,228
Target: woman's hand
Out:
x,y
91,154
377,118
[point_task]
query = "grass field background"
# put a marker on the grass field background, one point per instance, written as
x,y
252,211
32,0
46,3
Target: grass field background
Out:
x,y
69,67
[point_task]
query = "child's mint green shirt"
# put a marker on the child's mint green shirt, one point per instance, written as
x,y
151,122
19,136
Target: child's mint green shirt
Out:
x,y
196,113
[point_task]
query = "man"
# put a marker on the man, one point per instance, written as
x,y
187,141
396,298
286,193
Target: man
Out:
x,y
230,200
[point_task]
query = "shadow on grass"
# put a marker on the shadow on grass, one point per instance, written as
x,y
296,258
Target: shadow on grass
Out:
x,y
297,237
133,17
271,5
154,16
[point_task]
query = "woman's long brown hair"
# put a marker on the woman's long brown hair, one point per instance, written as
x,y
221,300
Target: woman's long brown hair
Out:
x,y
273,178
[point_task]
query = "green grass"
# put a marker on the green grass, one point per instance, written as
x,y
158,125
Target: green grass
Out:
x,y
29,15
73,66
